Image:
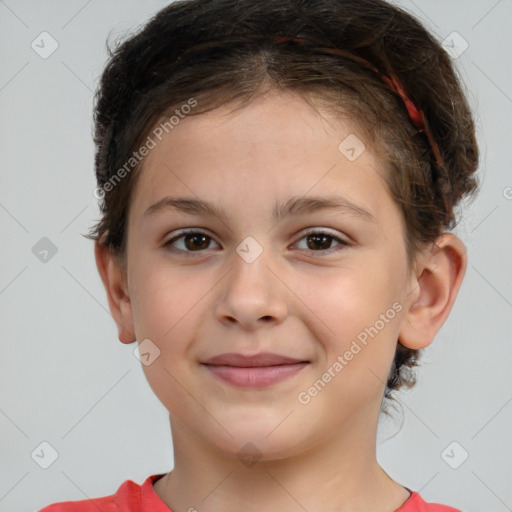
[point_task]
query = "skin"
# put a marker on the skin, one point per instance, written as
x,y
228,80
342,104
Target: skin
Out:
x,y
299,298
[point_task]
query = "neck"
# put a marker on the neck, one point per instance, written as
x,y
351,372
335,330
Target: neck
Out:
x,y
338,474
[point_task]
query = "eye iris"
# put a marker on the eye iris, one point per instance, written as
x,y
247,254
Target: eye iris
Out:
x,y
319,238
195,237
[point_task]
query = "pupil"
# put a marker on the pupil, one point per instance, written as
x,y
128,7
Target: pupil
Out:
x,y
325,238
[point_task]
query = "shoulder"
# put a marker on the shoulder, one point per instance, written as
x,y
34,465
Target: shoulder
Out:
x,y
416,503
104,504
128,497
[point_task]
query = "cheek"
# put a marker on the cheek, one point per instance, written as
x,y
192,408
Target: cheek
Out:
x,y
346,300
357,314
165,310
164,296
170,305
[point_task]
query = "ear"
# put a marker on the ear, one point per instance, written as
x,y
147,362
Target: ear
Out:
x,y
434,287
113,276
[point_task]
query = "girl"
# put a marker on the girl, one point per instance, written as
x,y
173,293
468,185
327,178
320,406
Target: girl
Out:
x,y
277,183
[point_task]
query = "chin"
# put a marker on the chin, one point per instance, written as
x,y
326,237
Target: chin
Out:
x,y
250,452
261,442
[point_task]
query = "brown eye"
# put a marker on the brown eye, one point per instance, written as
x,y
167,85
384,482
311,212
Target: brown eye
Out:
x,y
319,241
192,241
322,242
197,241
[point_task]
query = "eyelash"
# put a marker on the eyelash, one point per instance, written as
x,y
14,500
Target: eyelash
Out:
x,y
342,243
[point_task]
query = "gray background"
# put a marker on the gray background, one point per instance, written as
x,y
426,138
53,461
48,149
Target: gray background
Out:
x,y
67,380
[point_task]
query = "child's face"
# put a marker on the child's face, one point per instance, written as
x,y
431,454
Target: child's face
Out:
x,y
299,298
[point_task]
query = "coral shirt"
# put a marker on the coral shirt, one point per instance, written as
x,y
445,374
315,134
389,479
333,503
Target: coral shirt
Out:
x,y
131,497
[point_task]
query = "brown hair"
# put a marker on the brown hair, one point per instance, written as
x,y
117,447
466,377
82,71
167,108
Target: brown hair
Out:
x,y
219,52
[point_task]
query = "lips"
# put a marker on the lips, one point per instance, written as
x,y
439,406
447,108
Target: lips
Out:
x,y
258,371
258,360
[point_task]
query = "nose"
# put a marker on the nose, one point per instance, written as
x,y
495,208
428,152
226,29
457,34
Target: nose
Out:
x,y
251,295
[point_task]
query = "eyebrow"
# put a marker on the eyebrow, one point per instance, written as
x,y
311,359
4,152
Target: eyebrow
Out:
x,y
294,206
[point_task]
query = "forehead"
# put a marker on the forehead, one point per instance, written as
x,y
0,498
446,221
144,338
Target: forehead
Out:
x,y
271,148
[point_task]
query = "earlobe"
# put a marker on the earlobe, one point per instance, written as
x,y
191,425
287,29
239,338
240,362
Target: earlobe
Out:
x,y
433,291
114,281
